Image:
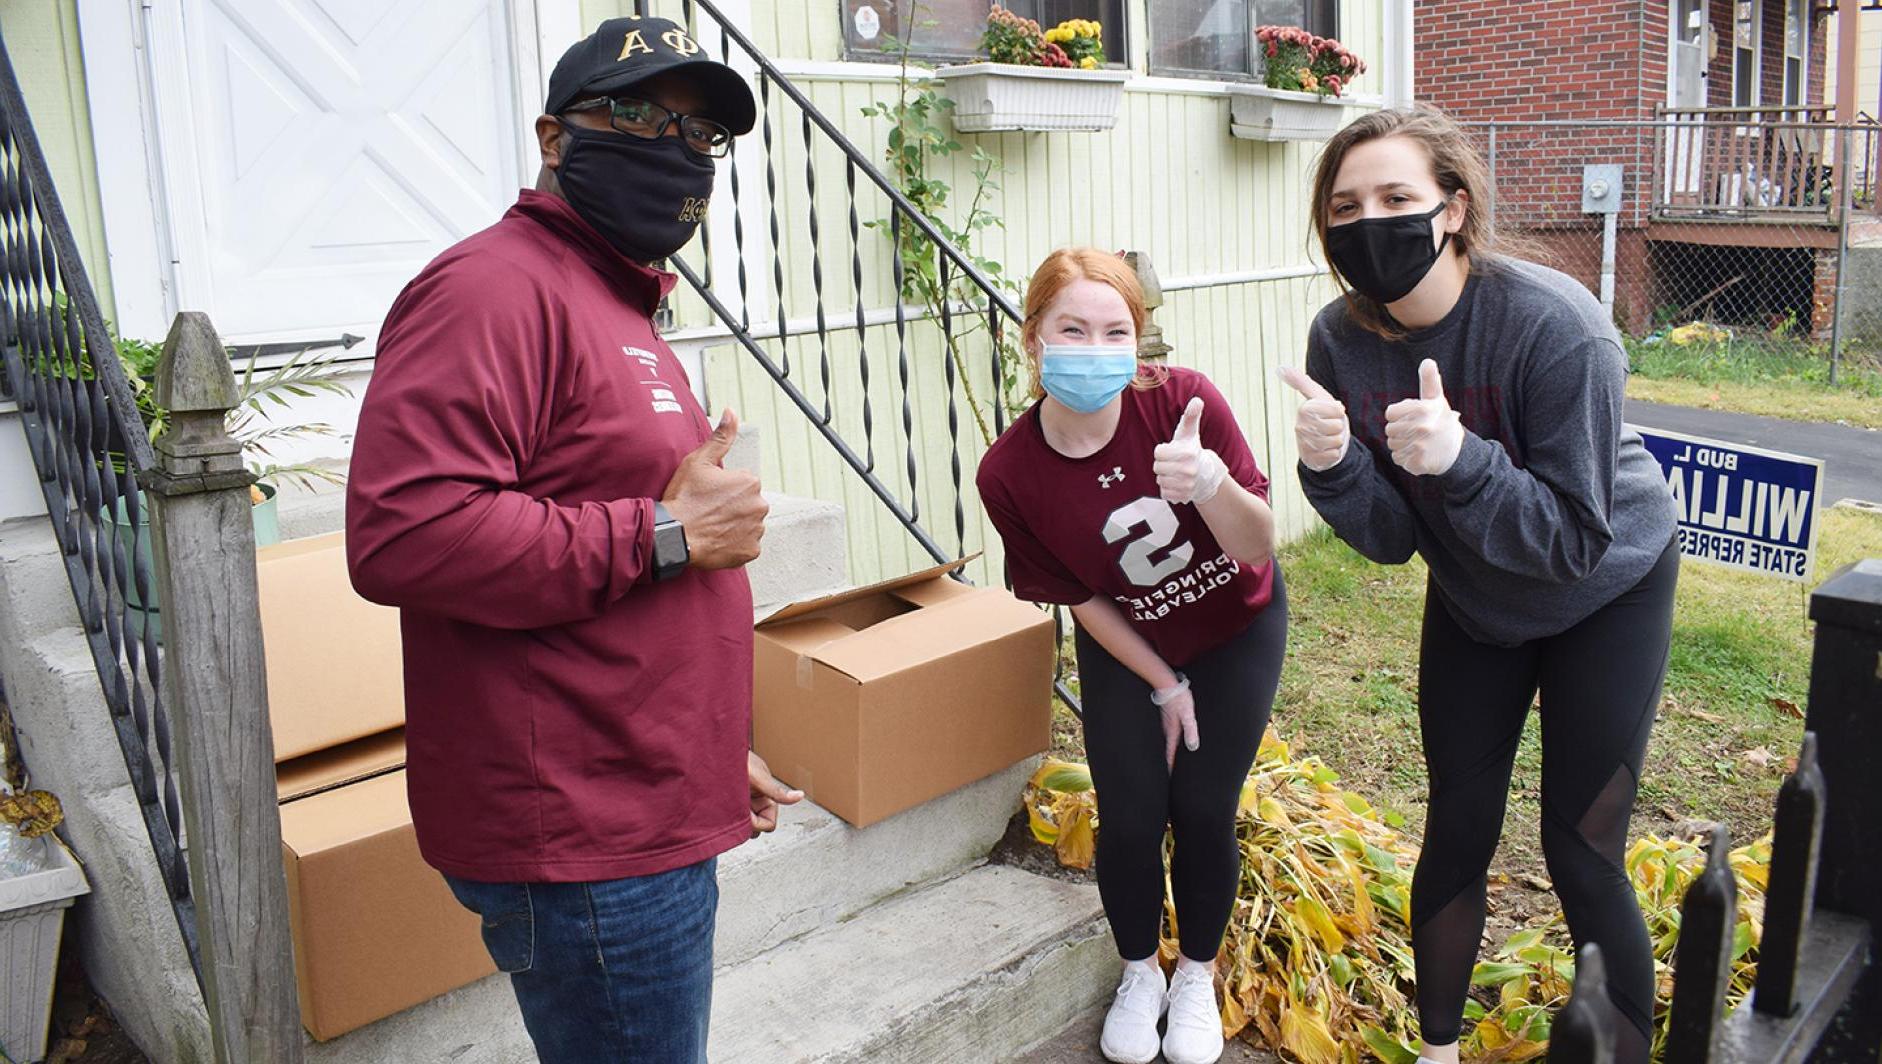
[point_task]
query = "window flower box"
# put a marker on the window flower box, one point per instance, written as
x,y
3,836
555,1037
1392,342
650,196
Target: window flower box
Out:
x,y
1001,97
1257,112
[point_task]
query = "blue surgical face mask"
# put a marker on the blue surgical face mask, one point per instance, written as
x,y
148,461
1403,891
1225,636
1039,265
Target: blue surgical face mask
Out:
x,y
1085,377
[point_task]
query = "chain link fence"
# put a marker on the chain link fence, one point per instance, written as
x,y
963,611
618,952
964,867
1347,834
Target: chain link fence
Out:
x,y
1742,231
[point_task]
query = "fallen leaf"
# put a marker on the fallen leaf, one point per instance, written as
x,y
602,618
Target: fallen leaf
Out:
x,y
1787,707
1700,714
1535,882
1758,757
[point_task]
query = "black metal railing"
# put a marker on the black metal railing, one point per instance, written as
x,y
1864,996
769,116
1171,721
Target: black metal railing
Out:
x,y
88,444
969,327
1817,989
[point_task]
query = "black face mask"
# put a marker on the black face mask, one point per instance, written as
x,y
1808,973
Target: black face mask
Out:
x,y
1385,258
645,196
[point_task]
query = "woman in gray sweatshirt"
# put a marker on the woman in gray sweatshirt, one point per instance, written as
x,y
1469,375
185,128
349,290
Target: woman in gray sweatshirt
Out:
x,y
1467,406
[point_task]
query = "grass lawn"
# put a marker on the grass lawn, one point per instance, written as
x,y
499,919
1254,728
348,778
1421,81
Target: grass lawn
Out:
x,y
1777,378
1730,719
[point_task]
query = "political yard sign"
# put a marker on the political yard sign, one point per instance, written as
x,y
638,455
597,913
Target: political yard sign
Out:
x,y
1741,507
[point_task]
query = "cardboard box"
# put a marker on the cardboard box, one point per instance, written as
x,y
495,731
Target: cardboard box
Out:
x,y
376,930
334,668
878,699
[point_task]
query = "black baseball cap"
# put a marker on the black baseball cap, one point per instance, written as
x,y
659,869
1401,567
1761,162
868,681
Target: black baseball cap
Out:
x,y
622,52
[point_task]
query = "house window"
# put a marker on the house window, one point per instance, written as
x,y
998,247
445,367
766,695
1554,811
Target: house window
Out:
x,y
1746,27
1796,51
951,29
1211,38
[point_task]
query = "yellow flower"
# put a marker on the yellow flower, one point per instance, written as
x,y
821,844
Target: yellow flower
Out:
x,y
1090,62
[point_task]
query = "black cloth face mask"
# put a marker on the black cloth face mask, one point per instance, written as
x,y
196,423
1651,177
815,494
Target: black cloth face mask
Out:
x,y
1385,258
646,197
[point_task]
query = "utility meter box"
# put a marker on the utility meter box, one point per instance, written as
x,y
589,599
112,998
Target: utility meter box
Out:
x,y
1601,188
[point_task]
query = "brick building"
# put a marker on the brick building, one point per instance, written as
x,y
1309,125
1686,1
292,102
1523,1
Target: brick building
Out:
x,y
1735,191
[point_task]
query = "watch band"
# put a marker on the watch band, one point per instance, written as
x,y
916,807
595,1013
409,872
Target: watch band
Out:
x,y
670,556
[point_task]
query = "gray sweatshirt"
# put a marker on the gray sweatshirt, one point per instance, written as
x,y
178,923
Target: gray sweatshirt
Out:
x,y
1553,508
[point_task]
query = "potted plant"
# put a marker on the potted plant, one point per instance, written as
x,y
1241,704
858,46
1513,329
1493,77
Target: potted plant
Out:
x,y
39,879
1035,79
1302,76
302,375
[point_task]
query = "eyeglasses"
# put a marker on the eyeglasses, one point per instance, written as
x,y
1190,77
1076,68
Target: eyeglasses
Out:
x,y
648,120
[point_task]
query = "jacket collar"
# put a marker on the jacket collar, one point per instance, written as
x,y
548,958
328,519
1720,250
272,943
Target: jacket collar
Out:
x,y
640,284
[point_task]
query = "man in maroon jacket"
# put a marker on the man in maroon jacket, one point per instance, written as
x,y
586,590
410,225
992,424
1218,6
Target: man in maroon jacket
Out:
x,y
536,488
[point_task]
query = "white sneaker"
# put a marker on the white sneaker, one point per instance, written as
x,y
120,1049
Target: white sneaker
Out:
x,y
1130,1028
1194,1033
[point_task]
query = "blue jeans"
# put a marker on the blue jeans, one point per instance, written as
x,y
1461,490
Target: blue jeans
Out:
x,y
617,971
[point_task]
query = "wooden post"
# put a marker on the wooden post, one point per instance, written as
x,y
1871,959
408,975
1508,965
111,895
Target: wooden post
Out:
x,y
1150,345
1846,715
1702,962
1583,1032
216,688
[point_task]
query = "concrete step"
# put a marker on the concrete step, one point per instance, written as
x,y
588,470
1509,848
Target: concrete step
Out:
x,y
1078,1044
124,929
979,967
974,968
804,552
814,872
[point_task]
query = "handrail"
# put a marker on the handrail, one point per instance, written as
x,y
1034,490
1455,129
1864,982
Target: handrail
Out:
x,y
921,221
88,445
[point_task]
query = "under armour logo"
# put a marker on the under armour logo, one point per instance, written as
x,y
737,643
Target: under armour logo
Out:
x,y
1116,475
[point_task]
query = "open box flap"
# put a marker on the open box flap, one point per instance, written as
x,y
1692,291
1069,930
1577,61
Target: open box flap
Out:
x,y
983,616
338,766
799,609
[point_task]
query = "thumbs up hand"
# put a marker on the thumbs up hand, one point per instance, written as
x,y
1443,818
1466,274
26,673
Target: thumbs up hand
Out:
x,y
1321,429
1424,434
721,510
1186,470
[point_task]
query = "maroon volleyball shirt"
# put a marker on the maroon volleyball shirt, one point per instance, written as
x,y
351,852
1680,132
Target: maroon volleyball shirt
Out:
x,y
1079,527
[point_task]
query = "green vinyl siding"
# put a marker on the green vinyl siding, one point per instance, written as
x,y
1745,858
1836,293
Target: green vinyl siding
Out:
x,y
42,42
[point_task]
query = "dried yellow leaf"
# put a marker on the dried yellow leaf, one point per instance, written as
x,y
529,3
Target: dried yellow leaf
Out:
x,y
1077,842
1304,1033
1320,922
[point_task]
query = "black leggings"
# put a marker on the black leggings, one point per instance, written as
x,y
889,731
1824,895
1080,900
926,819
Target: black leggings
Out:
x,y
1600,683
1234,686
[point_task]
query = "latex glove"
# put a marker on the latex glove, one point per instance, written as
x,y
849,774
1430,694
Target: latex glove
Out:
x,y
1178,707
1424,434
1321,430
1186,470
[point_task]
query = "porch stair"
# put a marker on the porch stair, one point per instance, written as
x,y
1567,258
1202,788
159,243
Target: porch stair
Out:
x,y
895,942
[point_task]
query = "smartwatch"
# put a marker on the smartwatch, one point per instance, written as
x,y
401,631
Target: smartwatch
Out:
x,y
669,545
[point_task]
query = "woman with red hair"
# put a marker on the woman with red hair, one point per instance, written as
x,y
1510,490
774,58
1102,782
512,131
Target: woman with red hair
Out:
x,y
1127,493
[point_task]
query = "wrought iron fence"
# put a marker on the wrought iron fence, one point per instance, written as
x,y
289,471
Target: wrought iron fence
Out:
x,y
1759,225
1818,991
88,444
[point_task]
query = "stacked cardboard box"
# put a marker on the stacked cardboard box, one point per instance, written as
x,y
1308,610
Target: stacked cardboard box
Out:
x,y
376,930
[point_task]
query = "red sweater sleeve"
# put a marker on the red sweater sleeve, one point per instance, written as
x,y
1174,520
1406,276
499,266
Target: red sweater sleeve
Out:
x,y
460,396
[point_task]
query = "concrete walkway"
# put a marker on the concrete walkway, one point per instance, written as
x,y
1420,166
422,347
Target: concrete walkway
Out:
x,y
1852,457
1078,1044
